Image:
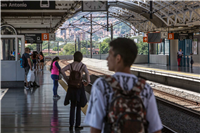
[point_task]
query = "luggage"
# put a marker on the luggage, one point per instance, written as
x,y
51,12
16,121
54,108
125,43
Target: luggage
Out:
x,y
75,78
126,113
30,76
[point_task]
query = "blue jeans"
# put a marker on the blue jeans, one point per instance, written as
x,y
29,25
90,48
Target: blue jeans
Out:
x,y
55,84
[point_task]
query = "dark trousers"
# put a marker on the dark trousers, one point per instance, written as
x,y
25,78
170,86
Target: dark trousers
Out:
x,y
78,113
34,63
55,84
179,61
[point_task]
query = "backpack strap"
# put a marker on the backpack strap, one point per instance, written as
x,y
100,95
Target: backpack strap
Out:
x,y
113,82
139,86
81,67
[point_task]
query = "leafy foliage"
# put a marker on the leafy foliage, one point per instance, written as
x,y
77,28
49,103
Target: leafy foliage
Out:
x,y
56,49
69,49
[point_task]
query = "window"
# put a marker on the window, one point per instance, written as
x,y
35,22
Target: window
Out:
x,y
8,49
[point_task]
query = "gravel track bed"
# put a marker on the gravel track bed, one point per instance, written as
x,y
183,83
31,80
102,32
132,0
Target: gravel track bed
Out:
x,y
177,120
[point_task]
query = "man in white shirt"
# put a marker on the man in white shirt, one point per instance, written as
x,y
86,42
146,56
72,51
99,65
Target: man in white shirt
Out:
x,y
121,56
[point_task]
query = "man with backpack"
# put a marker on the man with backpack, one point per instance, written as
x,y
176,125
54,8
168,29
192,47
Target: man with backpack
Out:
x,y
122,103
26,64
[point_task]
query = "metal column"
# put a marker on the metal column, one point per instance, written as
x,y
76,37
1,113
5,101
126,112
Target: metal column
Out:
x,y
91,37
169,54
58,47
75,45
111,32
100,50
148,53
16,48
48,47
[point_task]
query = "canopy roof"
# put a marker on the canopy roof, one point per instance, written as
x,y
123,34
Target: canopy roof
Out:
x,y
167,16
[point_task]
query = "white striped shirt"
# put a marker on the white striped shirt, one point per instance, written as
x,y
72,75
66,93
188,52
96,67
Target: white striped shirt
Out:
x,y
76,67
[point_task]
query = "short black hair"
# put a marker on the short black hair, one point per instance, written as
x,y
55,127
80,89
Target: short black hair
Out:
x,y
27,49
78,56
126,48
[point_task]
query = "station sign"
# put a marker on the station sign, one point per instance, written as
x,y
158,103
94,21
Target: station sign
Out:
x,y
145,39
45,36
26,5
164,35
183,36
170,36
52,37
33,38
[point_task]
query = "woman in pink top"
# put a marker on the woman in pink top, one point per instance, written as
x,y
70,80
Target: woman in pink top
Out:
x,y
55,68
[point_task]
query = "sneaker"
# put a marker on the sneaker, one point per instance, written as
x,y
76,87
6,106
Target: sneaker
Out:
x,y
56,97
78,128
35,84
26,87
71,128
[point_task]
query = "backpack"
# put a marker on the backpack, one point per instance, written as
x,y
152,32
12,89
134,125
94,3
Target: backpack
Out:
x,y
126,113
75,79
23,61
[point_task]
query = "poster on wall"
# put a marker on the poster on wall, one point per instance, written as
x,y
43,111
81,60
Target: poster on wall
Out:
x,y
27,4
194,46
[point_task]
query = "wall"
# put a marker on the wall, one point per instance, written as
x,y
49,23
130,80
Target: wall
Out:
x,y
159,59
12,75
11,71
173,52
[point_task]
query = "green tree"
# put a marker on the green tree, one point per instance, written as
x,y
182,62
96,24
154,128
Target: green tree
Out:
x,y
142,46
59,39
32,46
69,49
56,49
84,51
105,46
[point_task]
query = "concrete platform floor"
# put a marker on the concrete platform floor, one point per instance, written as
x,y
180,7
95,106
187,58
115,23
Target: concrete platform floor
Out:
x,y
195,69
35,111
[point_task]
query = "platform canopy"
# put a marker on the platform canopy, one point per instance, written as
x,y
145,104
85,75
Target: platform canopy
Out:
x,y
167,15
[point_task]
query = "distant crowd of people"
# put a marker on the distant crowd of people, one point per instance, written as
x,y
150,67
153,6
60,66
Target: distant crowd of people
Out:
x,y
121,103
32,61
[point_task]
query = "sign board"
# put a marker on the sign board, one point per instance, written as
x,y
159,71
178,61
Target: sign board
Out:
x,y
26,5
52,37
164,35
170,36
45,36
183,36
154,37
33,38
194,46
145,39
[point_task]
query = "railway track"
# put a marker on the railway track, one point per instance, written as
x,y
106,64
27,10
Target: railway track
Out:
x,y
179,103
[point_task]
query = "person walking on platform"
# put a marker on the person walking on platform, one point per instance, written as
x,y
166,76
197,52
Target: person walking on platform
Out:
x,y
122,93
55,70
179,56
34,59
41,61
27,65
76,90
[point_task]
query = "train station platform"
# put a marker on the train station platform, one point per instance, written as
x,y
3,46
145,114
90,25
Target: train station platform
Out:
x,y
185,71
34,110
168,76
